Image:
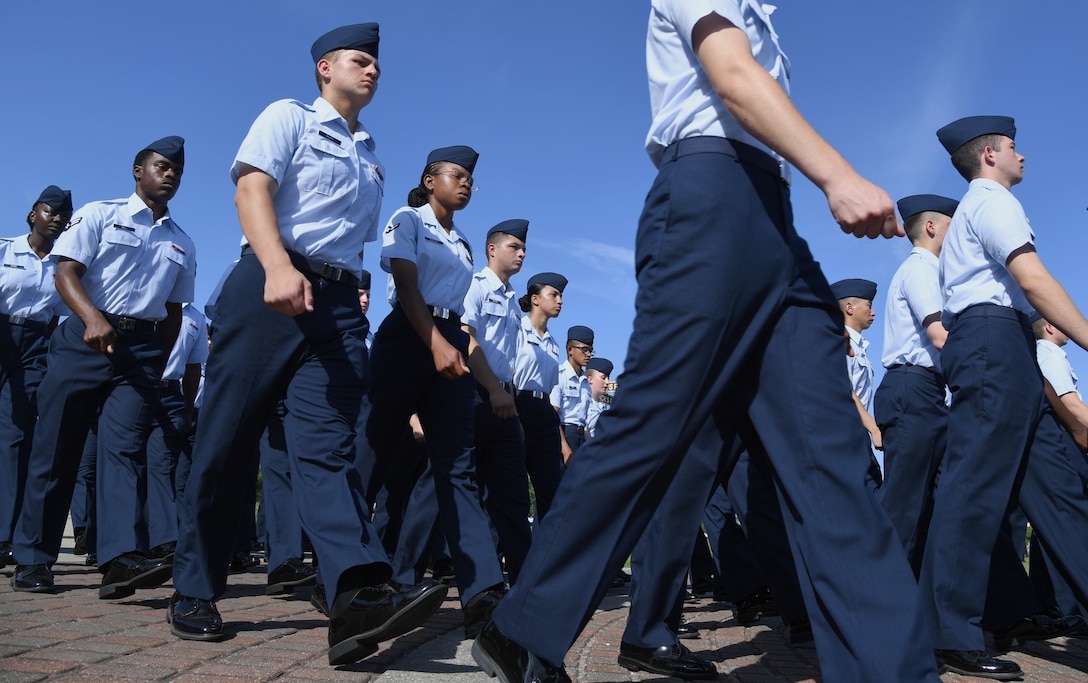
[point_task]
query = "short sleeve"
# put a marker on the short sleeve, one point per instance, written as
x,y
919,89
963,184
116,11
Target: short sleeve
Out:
x,y
922,291
1004,227
271,141
81,239
400,237
686,13
474,302
1055,367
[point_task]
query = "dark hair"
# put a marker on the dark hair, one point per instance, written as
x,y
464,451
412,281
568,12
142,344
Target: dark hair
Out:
x,y
420,195
526,301
913,225
966,158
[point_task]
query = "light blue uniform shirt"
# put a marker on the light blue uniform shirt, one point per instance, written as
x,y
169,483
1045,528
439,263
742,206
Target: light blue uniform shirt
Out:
x,y
330,184
914,294
491,310
135,264
682,101
594,414
572,396
1055,367
191,346
861,370
442,258
537,364
27,283
988,225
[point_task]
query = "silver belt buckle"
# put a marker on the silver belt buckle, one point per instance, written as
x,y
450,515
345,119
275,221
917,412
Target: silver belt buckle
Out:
x,y
17,319
126,324
443,313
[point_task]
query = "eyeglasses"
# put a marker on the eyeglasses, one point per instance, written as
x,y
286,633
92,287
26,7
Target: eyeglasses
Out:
x,y
588,350
460,178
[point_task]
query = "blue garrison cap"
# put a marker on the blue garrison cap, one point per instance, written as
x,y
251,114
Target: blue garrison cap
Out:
x,y
862,289
601,365
59,199
172,147
960,132
580,333
461,155
353,37
554,279
917,203
518,227
364,280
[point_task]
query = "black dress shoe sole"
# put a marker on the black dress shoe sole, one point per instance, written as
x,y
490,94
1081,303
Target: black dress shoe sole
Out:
x,y
31,589
632,664
491,666
285,587
192,635
149,579
951,668
408,617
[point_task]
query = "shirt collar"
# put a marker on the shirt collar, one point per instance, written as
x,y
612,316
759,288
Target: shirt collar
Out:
x,y
527,325
426,214
1051,346
494,282
856,337
137,205
21,245
326,113
926,255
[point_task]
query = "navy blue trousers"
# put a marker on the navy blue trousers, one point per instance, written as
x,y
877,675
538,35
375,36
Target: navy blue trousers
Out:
x,y
79,381
738,573
504,482
989,363
84,496
283,526
164,448
543,449
913,418
23,352
754,335
405,382
317,363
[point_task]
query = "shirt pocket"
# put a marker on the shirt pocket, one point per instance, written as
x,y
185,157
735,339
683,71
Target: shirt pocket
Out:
x,y
326,164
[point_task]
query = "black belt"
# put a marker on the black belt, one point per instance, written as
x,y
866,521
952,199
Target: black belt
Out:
x,y
325,271
23,321
532,393
123,323
991,311
577,428
931,373
710,144
443,313
169,384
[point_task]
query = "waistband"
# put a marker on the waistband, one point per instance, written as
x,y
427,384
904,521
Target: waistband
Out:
x,y
744,153
580,429
531,393
325,271
505,386
443,313
123,323
991,311
931,373
23,321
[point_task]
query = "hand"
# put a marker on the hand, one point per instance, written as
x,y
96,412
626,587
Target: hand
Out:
x,y
567,452
862,209
100,335
502,404
288,291
448,361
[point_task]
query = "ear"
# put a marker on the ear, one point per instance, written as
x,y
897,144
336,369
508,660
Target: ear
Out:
x,y
428,182
137,172
989,155
931,228
323,68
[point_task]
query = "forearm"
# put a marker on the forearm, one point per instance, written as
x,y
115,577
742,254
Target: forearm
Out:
x,y
1048,296
257,216
406,279
69,283
1075,427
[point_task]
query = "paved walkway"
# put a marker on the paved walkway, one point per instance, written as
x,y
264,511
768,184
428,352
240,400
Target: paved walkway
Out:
x,y
74,636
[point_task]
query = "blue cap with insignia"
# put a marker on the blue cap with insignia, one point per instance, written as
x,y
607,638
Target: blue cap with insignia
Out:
x,y
172,147
580,333
59,199
960,132
554,279
917,203
601,365
364,280
462,155
362,37
517,227
855,287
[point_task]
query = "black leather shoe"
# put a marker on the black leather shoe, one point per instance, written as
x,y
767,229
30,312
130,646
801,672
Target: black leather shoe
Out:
x,y
193,618
92,560
799,634
131,571
667,660
499,656
240,562
478,610
32,578
6,555
164,551
79,540
977,663
293,572
1035,627
685,632
318,599
443,571
378,613
754,607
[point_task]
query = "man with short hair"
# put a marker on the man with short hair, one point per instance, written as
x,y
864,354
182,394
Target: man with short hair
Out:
x,y
571,397
856,303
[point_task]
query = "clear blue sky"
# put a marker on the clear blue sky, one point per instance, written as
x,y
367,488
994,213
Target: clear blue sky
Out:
x,y
553,95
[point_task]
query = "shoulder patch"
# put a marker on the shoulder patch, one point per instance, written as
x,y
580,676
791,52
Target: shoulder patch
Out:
x,y
392,227
74,221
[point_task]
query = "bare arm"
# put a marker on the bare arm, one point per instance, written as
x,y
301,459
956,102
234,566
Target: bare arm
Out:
x,y
285,289
869,423
760,105
502,403
1047,295
1076,407
448,361
1072,424
935,330
99,334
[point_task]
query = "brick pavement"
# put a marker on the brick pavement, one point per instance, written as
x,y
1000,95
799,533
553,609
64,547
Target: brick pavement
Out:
x,y
73,636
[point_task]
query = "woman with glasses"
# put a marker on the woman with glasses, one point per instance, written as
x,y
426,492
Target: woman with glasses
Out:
x,y
536,372
418,365
571,396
